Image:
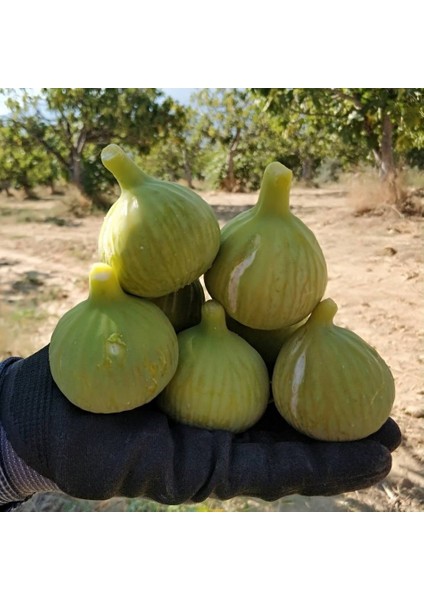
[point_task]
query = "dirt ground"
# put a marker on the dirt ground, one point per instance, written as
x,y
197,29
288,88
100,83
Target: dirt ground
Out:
x,y
375,264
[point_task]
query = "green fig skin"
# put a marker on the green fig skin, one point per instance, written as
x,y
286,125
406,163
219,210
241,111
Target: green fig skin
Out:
x,y
112,352
158,236
221,381
270,271
267,342
329,384
183,307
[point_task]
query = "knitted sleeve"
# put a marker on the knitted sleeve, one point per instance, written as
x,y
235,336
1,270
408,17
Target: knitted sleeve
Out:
x,y
17,481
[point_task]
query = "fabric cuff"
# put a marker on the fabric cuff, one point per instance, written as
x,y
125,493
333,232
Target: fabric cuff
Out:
x,y
17,480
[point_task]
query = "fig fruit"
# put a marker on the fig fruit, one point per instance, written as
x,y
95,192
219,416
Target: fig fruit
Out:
x,y
270,271
112,352
158,236
183,307
221,382
330,384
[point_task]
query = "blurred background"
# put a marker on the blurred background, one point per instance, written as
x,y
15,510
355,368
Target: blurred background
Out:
x,y
212,138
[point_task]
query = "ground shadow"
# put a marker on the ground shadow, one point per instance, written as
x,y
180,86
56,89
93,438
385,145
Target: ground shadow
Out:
x,y
30,281
226,212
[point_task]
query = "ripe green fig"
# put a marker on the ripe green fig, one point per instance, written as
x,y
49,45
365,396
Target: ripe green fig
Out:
x,y
270,271
158,236
112,352
221,381
330,384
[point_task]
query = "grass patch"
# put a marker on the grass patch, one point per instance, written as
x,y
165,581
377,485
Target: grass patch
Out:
x,y
414,178
367,192
17,330
77,204
22,320
24,315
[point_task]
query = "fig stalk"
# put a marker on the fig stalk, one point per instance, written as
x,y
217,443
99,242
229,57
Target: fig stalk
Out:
x,y
123,168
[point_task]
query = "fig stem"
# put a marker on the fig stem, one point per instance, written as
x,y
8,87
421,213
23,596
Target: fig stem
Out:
x,y
103,283
274,195
213,316
122,167
324,312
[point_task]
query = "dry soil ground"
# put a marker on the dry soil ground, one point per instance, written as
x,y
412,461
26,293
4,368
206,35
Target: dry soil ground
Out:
x,y
375,264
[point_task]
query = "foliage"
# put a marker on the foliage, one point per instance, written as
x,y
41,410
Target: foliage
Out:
x,y
179,154
23,162
223,139
71,125
238,139
353,124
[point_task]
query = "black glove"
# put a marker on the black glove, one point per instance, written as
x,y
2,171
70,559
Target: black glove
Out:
x,y
143,453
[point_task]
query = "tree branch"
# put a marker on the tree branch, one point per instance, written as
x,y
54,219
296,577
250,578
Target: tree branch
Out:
x,y
350,98
301,111
43,142
82,138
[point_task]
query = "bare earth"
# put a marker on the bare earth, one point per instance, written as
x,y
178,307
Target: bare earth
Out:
x,y
376,277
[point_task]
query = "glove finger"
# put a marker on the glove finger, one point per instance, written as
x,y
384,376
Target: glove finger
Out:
x,y
389,435
273,470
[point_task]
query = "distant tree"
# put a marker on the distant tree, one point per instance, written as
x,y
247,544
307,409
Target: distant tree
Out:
x,y
179,154
382,124
23,162
238,139
303,122
72,124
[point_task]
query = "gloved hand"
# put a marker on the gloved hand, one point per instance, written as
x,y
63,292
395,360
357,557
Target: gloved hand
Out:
x,y
143,453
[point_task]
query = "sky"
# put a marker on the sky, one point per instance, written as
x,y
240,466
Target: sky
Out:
x,y
3,109
180,94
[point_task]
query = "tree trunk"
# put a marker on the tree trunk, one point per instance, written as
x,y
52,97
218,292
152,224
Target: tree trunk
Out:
x,y
307,170
229,182
30,193
387,165
187,171
4,186
388,171
75,170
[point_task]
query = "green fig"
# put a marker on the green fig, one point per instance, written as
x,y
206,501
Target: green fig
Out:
x,y
158,236
221,381
330,384
183,307
270,271
112,352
